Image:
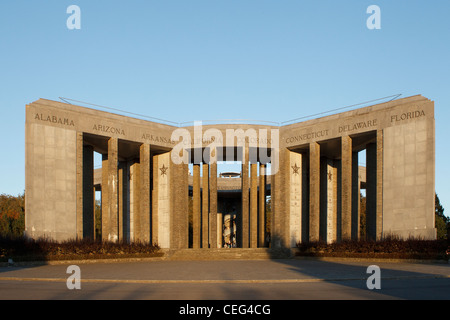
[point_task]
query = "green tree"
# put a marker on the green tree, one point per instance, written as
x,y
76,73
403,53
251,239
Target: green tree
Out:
x,y
12,215
442,222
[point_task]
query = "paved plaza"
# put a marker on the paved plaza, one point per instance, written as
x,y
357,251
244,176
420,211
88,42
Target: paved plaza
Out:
x,y
265,279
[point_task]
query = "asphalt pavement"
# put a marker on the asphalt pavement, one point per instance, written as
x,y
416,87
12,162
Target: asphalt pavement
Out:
x,y
268,279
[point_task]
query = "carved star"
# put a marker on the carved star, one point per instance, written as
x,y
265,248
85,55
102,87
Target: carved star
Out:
x,y
329,175
295,168
163,170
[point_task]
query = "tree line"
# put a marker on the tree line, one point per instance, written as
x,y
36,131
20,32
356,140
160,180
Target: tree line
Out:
x,y
12,215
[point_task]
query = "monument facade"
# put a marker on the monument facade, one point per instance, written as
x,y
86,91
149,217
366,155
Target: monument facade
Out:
x,y
151,171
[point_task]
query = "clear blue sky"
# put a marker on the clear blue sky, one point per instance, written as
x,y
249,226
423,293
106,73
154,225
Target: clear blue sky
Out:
x,y
196,60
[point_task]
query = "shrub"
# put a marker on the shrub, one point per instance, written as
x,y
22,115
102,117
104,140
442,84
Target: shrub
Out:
x,y
390,247
23,249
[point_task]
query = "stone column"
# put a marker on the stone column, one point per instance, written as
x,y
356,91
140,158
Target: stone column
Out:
x,y
105,198
196,207
85,184
374,178
219,243
371,195
305,198
254,205
113,189
179,205
120,200
144,198
333,205
213,204
245,201
166,200
134,201
355,197
273,207
346,187
280,232
262,206
155,196
380,165
314,191
328,201
205,205
295,197
123,200
80,198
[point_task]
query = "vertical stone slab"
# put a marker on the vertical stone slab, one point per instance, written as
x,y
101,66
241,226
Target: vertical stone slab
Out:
x,y
51,181
273,184
179,187
127,223
122,174
273,187
338,164
329,201
346,187
85,184
205,205
155,196
113,189
295,198
79,185
134,201
407,152
245,199
120,199
196,222
88,194
371,191
164,200
305,199
124,201
279,233
219,243
374,191
253,205
105,197
314,191
282,213
29,174
145,189
380,166
355,197
262,206
213,205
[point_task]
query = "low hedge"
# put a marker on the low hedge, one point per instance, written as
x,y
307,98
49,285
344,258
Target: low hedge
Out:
x,y
389,248
22,249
